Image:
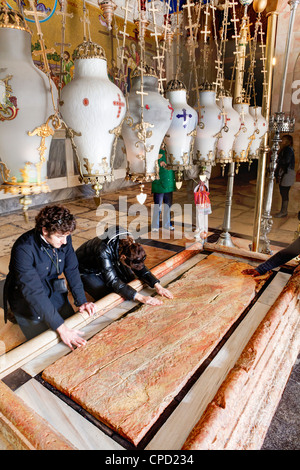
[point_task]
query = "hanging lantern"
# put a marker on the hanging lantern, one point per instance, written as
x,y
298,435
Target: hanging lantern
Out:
x,y
210,124
246,135
25,111
141,18
169,38
246,2
107,8
94,108
261,127
144,129
229,132
180,135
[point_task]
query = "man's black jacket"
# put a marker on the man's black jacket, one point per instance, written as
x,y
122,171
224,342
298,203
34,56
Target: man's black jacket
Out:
x,y
101,256
29,284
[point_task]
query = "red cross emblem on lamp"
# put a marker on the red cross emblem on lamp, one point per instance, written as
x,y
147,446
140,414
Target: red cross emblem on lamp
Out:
x,y
172,111
120,105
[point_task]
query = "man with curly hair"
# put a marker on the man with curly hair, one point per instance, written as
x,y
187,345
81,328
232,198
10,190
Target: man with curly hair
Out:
x,y
35,291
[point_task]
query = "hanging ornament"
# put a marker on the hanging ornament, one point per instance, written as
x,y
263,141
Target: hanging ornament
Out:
x,y
159,57
260,123
148,117
27,110
246,135
64,75
107,8
261,127
169,32
192,44
94,107
203,208
179,138
210,124
231,117
178,32
123,72
141,198
243,142
229,132
220,44
142,22
237,78
143,131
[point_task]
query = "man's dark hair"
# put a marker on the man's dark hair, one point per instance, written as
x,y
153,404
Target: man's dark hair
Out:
x,y
289,138
134,252
55,219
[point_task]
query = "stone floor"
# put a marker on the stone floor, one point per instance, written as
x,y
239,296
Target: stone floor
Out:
x,y
121,207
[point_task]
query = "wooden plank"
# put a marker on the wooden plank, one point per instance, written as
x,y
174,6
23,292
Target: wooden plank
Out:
x,y
128,373
235,251
242,253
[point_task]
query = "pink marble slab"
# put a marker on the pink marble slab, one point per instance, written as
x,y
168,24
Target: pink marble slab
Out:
x,y
129,373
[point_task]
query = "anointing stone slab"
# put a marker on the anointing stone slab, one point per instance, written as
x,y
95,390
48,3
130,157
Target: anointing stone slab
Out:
x,y
129,372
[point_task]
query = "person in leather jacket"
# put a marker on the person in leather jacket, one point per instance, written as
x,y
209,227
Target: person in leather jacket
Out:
x,y
108,263
35,294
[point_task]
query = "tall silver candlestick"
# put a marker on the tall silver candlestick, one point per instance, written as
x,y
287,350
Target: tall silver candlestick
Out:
x,y
225,237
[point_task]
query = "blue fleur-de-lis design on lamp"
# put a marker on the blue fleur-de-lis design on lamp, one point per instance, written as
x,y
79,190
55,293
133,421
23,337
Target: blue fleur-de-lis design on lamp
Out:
x,y
184,115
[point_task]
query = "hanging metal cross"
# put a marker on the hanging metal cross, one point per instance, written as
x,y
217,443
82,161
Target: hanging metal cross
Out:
x,y
36,14
63,13
44,51
226,118
184,115
86,23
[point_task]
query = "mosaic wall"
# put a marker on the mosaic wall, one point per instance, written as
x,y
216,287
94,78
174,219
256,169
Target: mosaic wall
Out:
x,y
74,32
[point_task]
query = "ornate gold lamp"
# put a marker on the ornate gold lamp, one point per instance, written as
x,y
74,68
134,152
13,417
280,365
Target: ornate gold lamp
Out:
x,y
148,115
241,40
94,108
179,140
28,101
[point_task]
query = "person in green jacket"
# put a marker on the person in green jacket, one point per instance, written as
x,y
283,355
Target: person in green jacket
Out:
x,y
162,190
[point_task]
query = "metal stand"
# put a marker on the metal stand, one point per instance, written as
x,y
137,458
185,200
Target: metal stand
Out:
x,y
278,124
225,237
